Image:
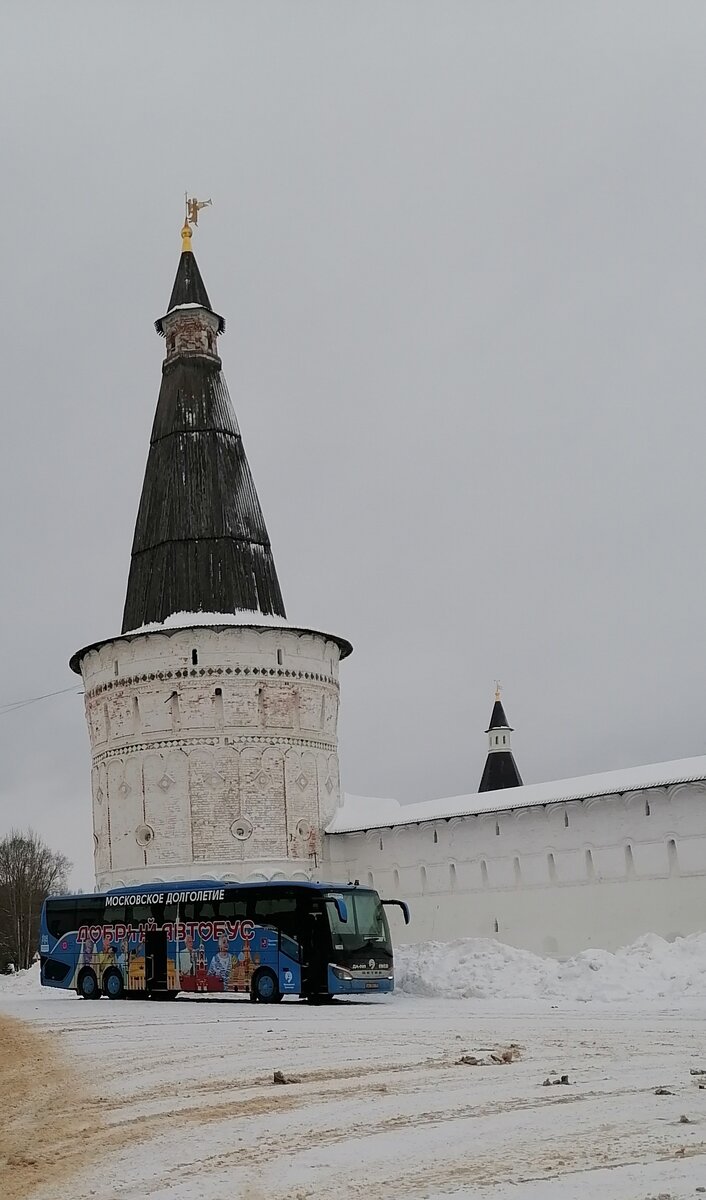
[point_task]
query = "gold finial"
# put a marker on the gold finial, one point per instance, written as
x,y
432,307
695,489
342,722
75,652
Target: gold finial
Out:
x,y
192,209
497,689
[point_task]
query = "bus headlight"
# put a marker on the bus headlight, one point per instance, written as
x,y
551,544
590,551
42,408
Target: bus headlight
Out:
x,y
340,973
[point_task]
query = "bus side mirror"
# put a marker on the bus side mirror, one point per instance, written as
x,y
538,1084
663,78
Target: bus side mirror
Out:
x,y
340,908
400,904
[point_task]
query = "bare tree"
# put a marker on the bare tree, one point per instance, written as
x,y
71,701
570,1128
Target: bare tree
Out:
x,y
29,872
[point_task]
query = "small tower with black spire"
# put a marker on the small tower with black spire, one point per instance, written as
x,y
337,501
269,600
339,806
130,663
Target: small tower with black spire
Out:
x,y
500,769
212,719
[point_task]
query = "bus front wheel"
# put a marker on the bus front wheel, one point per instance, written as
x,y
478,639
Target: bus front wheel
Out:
x,y
87,986
113,985
264,988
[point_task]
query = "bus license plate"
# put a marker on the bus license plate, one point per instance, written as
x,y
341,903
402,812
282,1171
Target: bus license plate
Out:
x,y
371,985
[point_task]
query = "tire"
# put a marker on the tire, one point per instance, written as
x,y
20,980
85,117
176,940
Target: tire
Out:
x,y
113,986
264,987
87,986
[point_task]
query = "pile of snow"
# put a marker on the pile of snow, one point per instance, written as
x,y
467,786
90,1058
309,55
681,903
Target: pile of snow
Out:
x,y
480,968
22,983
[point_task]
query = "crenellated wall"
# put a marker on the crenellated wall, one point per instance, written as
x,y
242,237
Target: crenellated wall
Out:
x,y
214,752
554,879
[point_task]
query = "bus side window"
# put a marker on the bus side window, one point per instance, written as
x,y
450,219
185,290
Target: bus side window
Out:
x,y
278,911
61,917
115,915
232,908
206,911
290,947
90,911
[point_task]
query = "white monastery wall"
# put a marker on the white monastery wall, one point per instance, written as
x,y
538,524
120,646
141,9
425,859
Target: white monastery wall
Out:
x,y
554,879
214,753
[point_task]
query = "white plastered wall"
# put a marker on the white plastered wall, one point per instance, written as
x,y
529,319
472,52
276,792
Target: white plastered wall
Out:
x,y
214,753
554,880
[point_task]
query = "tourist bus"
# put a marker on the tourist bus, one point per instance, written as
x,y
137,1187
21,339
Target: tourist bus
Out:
x,y
264,940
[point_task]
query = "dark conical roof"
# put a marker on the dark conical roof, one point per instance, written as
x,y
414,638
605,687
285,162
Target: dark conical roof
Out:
x,y
200,543
498,720
189,288
500,771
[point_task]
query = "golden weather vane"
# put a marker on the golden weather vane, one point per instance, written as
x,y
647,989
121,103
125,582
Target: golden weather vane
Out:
x,y
192,208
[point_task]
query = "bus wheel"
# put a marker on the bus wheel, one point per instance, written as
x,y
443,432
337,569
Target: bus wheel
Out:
x,y
113,985
264,987
88,985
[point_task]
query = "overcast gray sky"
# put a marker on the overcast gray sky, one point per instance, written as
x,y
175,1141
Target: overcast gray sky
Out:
x,y
461,251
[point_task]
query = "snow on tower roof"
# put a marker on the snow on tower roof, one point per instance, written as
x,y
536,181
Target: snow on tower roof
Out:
x,y
360,813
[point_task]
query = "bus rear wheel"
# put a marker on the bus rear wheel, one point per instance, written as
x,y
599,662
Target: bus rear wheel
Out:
x,y
264,988
113,986
87,986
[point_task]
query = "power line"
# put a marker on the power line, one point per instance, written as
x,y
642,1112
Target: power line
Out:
x,y
12,705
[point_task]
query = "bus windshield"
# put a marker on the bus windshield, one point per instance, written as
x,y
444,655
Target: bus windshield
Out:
x,y
366,926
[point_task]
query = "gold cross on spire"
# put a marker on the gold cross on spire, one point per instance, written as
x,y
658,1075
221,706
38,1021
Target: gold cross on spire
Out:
x,y
192,208
497,689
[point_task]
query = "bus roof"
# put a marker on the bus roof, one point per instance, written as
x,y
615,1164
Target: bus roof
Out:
x,y
213,885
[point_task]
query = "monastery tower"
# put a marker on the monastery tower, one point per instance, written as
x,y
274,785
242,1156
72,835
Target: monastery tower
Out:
x,y
212,720
500,769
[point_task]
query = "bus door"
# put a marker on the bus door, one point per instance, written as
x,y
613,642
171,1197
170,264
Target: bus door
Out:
x,y
316,947
156,960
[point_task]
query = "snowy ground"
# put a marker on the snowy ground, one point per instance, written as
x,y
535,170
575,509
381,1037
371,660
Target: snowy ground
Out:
x,y
154,1100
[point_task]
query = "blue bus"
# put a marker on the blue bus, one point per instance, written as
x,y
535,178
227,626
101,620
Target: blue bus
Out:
x,y
263,940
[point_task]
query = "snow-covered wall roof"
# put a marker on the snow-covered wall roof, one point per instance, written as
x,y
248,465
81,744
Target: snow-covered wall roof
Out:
x,y
362,812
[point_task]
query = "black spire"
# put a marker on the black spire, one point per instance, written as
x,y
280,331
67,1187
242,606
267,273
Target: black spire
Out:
x,y
200,540
189,289
500,769
498,720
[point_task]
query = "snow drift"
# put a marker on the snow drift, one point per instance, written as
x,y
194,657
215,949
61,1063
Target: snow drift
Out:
x,y
651,970
479,968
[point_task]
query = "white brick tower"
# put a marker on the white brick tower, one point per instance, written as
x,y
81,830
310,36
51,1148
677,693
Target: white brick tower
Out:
x,y
212,720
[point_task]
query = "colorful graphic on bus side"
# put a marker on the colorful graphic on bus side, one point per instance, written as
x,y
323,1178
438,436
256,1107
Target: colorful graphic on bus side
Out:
x,y
201,956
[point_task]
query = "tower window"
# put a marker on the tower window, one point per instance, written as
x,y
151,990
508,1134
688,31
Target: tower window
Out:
x,y
566,820
497,829
219,691
436,837
504,739
194,658
647,808
115,667
279,658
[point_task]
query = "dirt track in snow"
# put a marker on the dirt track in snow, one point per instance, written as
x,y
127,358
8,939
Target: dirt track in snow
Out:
x,y
32,1150
177,1101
